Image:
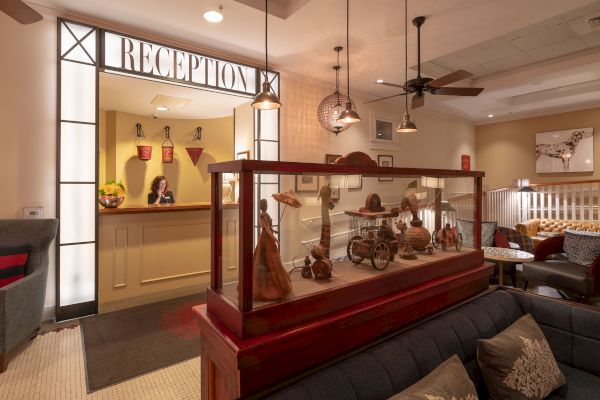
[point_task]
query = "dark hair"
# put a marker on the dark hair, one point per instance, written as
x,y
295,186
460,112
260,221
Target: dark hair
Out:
x,y
156,182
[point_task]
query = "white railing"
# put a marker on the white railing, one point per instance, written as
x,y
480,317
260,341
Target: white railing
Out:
x,y
577,200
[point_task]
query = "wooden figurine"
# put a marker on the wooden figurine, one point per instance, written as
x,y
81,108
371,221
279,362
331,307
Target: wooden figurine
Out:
x,y
322,266
270,280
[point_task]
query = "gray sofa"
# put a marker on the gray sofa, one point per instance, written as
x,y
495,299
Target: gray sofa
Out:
x,y
22,302
384,369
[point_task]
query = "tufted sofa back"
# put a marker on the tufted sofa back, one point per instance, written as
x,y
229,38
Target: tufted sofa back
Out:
x,y
533,227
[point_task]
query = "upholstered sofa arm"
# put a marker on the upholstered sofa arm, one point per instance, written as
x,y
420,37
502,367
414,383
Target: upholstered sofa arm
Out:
x,y
21,305
529,228
552,245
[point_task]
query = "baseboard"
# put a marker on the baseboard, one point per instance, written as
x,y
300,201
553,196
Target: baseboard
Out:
x,y
149,298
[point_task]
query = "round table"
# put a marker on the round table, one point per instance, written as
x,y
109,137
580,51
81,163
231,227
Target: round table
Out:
x,y
501,255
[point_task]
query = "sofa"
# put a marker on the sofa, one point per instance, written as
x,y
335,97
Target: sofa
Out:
x,y
552,267
22,302
397,361
540,229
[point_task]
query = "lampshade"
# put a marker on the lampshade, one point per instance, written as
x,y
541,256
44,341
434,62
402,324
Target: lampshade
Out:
x,y
330,110
431,182
348,116
407,126
526,189
447,207
266,100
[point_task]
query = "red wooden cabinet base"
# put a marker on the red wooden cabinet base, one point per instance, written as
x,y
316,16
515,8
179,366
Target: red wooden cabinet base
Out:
x,y
237,368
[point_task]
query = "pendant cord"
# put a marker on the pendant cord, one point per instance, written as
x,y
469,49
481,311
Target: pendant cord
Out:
x,y
405,52
337,74
266,42
348,44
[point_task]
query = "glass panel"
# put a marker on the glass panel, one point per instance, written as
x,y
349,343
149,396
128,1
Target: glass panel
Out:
x,y
77,153
269,151
77,274
78,92
77,213
79,30
67,40
269,123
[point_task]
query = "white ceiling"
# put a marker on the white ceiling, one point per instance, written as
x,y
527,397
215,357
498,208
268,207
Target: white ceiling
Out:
x,y
303,43
134,96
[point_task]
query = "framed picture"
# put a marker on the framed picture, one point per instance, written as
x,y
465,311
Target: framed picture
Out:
x,y
243,155
385,161
353,181
307,183
382,131
465,162
565,151
330,158
335,186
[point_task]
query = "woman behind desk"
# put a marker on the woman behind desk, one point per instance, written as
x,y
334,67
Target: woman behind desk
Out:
x,y
159,192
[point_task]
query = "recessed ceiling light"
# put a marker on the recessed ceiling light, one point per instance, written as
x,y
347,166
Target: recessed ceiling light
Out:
x,y
214,16
490,115
379,81
161,108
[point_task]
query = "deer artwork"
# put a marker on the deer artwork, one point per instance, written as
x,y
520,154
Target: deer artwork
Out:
x,y
563,150
322,266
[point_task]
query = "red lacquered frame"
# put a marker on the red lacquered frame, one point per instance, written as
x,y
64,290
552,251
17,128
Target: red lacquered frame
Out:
x,y
246,322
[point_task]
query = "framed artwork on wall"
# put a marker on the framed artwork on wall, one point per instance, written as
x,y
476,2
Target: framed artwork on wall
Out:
x,y
566,151
307,183
243,155
330,158
333,183
385,161
382,130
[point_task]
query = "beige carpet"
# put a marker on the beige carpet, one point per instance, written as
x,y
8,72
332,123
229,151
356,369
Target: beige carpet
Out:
x,y
51,367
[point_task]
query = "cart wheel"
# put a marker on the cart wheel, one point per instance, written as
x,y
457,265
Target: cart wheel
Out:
x,y
434,239
381,255
458,242
351,256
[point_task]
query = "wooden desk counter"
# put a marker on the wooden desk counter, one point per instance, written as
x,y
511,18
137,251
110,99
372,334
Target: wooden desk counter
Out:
x,y
157,208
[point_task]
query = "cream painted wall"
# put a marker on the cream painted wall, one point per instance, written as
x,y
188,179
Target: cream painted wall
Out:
x,y
188,183
506,150
28,115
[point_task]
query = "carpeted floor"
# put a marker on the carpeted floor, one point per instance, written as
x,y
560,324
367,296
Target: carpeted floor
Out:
x,y
124,344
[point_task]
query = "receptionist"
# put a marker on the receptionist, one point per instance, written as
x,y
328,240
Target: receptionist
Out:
x,y
159,192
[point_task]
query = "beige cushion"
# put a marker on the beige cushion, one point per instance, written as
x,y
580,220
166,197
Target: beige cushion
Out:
x,y
448,381
518,364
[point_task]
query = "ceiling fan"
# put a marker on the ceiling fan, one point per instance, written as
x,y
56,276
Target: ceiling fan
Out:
x,y
19,11
419,85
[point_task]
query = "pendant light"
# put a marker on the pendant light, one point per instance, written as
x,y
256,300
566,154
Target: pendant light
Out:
x,y
266,100
407,126
348,116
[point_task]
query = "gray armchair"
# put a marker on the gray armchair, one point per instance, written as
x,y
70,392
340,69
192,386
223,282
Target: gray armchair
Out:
x,y
22,302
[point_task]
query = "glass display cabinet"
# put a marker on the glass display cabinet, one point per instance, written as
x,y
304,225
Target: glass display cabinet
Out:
x,y
309,239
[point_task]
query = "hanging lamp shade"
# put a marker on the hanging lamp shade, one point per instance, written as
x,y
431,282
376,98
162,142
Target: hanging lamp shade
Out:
x,y
349,115
407,126
266,99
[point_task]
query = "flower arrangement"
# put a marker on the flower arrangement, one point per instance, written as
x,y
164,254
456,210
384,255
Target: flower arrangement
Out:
x,y
111,194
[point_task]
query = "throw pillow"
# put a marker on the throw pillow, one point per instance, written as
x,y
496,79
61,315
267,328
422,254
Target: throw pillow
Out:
x,y
12,263
449,381
518,364
581,247
500,240
488,228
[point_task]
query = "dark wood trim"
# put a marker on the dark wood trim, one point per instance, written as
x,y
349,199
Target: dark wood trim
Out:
x,y
437,206
246,240
158,208
477,213
296,168
76,310
216,243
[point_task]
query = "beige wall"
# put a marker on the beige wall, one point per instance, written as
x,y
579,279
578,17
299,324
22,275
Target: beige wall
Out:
x,y
506,150
188,183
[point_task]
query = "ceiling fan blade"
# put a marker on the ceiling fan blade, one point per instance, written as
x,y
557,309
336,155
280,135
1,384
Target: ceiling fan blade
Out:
x,y
20,11
384,98
450,78
418,100
459,91
390,84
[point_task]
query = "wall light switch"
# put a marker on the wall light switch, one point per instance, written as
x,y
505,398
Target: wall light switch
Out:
x,y
33,212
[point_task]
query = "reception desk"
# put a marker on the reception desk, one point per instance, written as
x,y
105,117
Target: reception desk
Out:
x,y
155,252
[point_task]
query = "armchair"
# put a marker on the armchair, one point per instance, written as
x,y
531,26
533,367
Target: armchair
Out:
x,y
22,302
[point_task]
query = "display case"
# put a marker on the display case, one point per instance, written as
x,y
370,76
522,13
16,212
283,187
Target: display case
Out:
x,y
321,244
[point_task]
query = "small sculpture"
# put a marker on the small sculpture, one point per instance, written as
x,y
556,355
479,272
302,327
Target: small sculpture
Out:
x,y
322,266
417,235
270,280
306,272
447,237
372,204
429,249
407,252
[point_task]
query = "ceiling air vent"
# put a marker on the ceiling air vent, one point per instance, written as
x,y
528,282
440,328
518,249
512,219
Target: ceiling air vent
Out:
x,y
594,22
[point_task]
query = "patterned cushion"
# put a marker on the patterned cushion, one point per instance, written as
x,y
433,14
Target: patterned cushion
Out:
x,y
488,228
12,263
448,381
581,247
500,240
518,364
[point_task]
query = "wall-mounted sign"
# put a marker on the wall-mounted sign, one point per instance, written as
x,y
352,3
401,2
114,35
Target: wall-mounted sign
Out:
x,y
131,55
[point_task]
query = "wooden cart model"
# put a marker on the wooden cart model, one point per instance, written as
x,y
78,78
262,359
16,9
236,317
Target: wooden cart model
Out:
x,y
373,238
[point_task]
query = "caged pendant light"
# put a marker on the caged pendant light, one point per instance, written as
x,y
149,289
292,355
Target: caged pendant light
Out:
x,y
348,116
266,99
407,126
333,105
